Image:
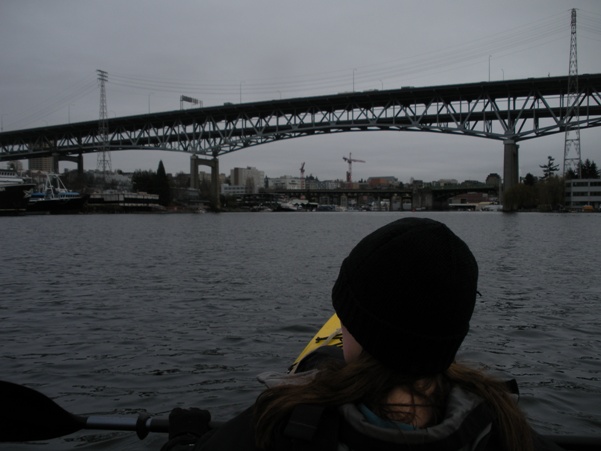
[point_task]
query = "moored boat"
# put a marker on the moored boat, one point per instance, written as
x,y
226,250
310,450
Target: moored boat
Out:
x,y
124,202
14,192
286,206
53,197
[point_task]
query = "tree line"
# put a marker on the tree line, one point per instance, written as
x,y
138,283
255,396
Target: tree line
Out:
x,y
547,192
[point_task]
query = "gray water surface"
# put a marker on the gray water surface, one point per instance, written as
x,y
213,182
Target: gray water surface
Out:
x,y
116,314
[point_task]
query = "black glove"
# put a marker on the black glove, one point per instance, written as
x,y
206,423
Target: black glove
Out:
x,y
188,422
186,426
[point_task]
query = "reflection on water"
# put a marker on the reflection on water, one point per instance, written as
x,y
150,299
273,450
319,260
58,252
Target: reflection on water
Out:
x,y
119,314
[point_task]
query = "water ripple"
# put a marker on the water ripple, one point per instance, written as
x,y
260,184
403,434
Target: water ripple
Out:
x,y
119,314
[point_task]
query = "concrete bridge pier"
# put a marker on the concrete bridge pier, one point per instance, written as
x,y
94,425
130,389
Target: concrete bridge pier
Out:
x,y
422,199
74,159
55,159
194,172
195,162
80,164
510,170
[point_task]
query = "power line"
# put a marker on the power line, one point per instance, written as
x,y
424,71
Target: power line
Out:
x,y
51,105
501,45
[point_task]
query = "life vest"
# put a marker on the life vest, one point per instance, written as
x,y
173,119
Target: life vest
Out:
x,y
317,428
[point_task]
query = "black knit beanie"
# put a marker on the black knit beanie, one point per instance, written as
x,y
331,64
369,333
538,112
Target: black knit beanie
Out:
x,y
406,293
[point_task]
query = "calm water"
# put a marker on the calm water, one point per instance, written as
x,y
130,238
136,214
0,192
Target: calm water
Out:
x,y
115,314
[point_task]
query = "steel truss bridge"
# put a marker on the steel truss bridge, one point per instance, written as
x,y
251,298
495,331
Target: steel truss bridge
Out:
x,y
509,111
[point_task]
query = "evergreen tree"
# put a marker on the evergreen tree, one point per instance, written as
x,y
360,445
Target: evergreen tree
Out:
x,y
550,168
529,180
163,189
588,170
571,174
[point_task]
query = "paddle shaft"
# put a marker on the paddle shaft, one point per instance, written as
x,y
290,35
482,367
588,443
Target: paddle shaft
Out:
x,y
142,424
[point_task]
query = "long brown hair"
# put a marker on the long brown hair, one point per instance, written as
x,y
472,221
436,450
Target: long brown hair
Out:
x,y
512,424
367,381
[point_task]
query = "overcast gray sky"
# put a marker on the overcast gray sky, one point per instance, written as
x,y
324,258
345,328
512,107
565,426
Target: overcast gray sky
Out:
x,y
251,50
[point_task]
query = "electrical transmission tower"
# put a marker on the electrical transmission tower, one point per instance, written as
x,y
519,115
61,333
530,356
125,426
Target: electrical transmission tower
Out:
x,y
571,153
103,163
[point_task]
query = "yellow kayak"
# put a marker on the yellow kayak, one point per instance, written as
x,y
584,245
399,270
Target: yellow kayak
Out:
x,y
329,335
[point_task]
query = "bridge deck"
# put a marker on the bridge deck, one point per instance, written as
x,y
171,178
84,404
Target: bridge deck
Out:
x,y
512,109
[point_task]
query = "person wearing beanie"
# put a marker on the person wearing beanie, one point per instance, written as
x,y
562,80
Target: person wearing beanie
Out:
x,y
405,296
415,271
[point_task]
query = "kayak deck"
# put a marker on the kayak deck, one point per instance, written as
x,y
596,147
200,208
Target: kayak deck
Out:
x,y
329,335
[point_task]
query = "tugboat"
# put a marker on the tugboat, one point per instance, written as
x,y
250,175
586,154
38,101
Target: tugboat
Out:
x,y
14,192
55,198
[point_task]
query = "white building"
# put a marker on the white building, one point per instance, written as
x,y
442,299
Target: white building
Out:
x,y
232,190
581,192
326,184
251,178
446,182
285,182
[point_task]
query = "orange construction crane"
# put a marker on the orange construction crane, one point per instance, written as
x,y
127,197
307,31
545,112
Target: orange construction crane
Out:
x,y
351,160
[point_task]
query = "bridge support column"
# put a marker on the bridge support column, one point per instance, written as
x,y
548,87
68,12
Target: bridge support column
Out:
x,y
80,164
215,185
194,172
55,159
510,170
78,159
422,199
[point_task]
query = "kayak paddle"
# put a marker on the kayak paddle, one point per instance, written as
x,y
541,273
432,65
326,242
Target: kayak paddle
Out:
x,y
28,415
